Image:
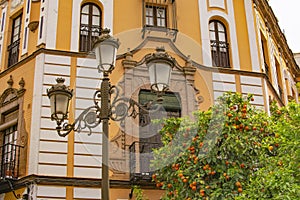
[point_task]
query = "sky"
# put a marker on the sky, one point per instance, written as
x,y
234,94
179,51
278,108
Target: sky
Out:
x,y
288,15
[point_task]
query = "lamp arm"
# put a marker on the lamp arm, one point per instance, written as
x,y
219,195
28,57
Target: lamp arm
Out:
x,y
87,119
65,129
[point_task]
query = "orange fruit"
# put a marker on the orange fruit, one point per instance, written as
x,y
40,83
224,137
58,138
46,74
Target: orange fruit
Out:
x,y
271,148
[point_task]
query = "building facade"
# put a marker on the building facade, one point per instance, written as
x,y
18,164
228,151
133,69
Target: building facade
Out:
x,y
218,46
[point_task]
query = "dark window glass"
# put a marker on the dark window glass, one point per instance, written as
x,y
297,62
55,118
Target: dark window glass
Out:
x,y
219,44
90,26
13,48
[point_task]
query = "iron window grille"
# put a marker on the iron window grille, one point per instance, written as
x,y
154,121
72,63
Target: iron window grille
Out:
x,y
140,157
160,15
10,154
13,48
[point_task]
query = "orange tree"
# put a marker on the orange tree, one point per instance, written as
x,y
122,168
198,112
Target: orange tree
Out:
x,y
279,174
224,152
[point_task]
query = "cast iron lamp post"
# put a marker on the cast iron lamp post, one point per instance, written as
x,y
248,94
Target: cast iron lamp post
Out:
x,y
105,107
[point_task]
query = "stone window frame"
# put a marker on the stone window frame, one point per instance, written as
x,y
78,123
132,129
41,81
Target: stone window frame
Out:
x,y
11,100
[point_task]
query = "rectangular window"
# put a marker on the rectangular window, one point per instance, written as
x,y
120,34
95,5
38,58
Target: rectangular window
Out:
x,y
41,27
13,48
3,18
9,153
156,16
141,152
279,79
9,150
265,53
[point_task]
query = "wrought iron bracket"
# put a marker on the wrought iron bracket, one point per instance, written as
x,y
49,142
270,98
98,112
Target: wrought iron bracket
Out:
x,y
120,108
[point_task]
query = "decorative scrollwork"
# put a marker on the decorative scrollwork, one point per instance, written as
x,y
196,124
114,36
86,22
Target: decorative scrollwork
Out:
x,y
122,107
89,119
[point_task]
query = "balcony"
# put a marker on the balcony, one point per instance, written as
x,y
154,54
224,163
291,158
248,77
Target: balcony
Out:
x,y
10,161
140,158
88,33
219,53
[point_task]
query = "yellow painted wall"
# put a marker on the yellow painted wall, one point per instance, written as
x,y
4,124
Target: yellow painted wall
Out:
x,y
33,36
63,33
129,16
242,35
188,20
203,82
10,195
27,73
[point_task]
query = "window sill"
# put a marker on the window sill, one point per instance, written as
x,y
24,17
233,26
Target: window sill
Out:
x,y
169,31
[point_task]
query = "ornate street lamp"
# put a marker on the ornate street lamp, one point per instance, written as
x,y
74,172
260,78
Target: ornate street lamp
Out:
x,y
59,96
160,65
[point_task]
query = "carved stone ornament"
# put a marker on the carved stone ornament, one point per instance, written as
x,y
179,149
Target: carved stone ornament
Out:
x,y
33,25
11,94
16,3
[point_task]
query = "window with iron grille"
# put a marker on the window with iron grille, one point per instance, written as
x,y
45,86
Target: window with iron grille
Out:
x,y
149,137
12,134
13,48
160,14
219,44
9,153
156,16
90,26
9,149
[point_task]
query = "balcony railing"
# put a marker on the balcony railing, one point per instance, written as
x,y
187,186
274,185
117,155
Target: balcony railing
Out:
x,y
140,156
13,50
219,53
87,36
10,161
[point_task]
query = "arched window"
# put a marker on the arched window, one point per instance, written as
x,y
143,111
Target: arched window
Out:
x,y
90,25
219,44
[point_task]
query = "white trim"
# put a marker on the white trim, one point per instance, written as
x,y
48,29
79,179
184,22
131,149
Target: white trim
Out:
x,y
204,31
252,36
217,3
51,25
4,10
26,29
107,14
204,20
266,96
75,25
233,36
43,8
36,115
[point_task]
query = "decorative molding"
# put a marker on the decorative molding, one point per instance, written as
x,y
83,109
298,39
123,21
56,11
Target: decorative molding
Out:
x,y
33,25
11,94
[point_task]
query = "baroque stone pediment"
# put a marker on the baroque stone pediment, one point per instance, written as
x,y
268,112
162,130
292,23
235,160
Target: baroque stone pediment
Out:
x,y
11,94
